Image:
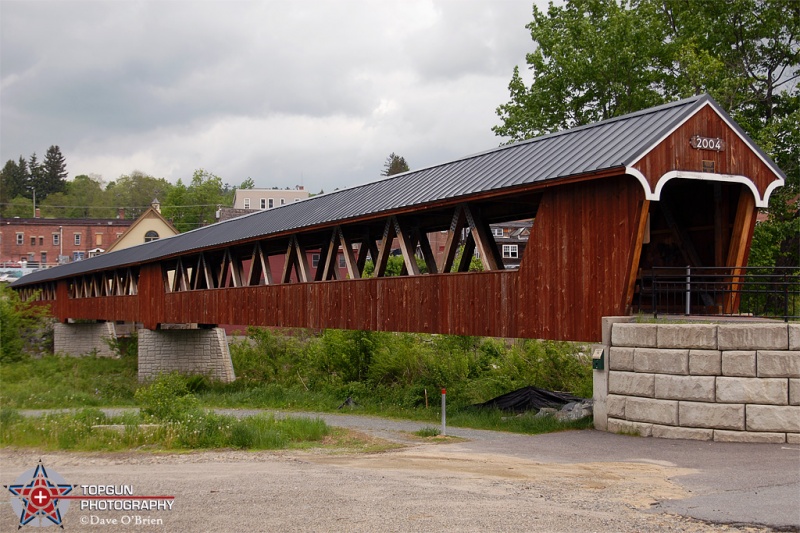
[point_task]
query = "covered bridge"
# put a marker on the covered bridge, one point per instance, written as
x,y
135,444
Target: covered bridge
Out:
x,y
673,185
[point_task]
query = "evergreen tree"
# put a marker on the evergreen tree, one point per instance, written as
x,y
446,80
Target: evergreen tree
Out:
x,y
53,173
12,182
394,164
34,177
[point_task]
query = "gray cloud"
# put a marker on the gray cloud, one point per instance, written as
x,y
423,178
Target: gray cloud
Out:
x,y
316,91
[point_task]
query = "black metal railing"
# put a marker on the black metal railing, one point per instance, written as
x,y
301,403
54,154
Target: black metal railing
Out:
x,y
720,291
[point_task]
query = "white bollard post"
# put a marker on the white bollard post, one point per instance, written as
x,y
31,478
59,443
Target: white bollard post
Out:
x,y
444,412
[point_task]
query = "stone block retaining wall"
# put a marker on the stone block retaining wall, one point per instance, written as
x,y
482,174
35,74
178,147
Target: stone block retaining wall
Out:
x,y
737,382
84,339
190,351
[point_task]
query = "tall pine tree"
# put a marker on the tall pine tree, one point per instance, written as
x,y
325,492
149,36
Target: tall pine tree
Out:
x,y
394,164
53,173
13,181
34,178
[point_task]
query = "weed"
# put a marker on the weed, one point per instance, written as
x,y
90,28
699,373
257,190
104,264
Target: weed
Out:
x,y
428,431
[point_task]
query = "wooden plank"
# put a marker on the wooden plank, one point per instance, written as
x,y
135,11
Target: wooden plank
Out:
x,y
467,253
289,262
301,261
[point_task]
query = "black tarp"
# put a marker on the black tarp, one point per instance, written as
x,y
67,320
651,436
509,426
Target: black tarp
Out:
x,y
528,398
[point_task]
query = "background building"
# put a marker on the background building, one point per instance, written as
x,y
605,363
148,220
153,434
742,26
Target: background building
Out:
x,y
250,200
150,226
38,242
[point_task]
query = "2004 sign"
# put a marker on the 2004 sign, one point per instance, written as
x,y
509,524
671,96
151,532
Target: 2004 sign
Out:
x,y
707,143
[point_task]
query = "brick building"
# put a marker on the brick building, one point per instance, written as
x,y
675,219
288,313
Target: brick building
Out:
x,y
38,242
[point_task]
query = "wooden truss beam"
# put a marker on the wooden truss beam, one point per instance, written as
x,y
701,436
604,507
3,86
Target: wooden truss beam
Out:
x,y
385,248
296,261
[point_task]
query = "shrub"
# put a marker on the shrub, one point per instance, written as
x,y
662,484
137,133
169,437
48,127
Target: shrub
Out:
x,y
124,346
167,398
347,354
21,324
267,356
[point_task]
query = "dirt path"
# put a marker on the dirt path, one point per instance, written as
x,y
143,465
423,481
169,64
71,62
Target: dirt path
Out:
x,y
428,487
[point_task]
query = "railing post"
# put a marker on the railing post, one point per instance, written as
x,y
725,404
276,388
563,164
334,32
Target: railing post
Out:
x,y
655,295
688,289
785,298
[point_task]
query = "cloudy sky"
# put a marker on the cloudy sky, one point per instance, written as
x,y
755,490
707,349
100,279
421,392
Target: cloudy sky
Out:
x,y
286,92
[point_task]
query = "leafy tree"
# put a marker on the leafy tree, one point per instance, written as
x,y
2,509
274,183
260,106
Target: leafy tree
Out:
x,y
597,59
593,60
196,205
248,184
136,192
53,173
85,197
394,164
19,207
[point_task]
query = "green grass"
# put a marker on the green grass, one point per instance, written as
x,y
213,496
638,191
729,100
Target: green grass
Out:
x,y
58,382
79,431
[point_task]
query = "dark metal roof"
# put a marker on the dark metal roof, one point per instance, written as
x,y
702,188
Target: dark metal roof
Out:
x,y
595,147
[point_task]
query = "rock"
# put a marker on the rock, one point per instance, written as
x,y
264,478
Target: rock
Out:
x,y
574,411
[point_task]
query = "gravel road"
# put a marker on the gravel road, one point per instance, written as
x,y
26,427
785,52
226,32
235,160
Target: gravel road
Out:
x,y
483,481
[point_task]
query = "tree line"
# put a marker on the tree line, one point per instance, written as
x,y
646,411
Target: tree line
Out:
x,y
187,205
28,177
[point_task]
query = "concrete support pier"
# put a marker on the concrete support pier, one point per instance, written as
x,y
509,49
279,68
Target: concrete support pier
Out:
x,y
84,339
189,351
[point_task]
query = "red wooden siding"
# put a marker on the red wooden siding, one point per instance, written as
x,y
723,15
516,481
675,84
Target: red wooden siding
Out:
x,y
469,304
675,153
577,265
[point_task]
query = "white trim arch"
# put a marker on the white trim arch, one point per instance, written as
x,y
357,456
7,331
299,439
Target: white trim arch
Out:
x,y
705,176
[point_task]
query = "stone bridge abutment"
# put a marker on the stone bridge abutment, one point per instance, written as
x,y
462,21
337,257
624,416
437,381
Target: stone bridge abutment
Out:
x,y
734,382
